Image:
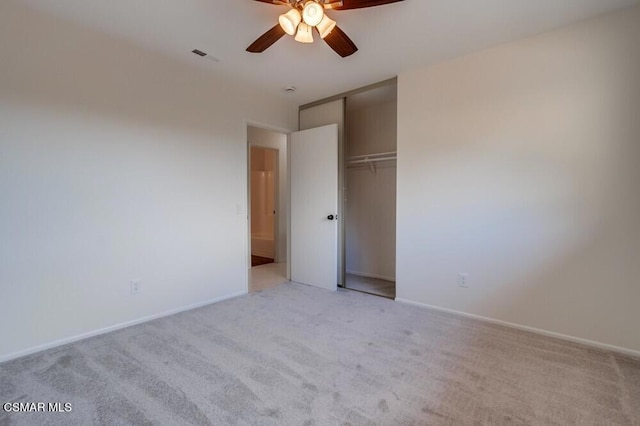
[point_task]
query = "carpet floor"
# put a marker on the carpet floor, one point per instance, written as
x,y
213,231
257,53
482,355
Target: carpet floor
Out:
x,y
296,355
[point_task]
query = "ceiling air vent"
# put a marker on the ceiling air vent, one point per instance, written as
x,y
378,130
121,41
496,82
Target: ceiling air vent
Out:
x,y
205,55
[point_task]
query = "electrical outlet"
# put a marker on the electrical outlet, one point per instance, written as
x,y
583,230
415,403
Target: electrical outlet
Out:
x,y
135,287
463,280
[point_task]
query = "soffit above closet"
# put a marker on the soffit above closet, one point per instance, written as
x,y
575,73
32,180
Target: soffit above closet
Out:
x,y
378,96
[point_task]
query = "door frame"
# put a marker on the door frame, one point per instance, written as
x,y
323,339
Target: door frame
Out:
x,y
246,123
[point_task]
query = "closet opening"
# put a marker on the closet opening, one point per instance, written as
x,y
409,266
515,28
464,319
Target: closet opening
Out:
x,y
370,190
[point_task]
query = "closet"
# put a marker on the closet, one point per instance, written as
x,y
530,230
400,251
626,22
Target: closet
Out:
x,y
367,124
370,190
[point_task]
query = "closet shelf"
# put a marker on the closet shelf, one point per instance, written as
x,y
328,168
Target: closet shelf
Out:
x,y
371,159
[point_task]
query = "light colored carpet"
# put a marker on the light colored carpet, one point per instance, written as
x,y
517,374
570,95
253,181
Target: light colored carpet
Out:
x,y
267,276
295,355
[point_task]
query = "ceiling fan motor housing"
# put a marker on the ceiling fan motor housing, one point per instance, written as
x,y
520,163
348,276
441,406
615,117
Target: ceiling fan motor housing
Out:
x,y
305,15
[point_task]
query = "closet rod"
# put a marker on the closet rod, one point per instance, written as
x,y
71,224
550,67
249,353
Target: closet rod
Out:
x,y
356,157
371,160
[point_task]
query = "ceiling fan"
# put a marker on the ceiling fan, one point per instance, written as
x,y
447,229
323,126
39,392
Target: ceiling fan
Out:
x,y
305,15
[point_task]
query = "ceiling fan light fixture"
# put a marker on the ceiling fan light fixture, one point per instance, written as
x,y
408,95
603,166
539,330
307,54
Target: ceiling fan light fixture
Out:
x,y
312,13
326,26
305,33
289,21
307,15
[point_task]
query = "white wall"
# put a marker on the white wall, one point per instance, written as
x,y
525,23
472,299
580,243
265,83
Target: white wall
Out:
x,y
520,166
116,164
269,139
371,127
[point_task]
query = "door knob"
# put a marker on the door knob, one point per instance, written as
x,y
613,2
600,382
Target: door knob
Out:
x,y
331,217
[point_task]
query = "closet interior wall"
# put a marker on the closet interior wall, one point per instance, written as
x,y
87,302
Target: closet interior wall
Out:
x,y
370,151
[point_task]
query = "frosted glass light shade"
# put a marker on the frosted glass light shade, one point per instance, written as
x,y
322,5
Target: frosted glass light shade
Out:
x,y
326,26
289,21
305,33
312,13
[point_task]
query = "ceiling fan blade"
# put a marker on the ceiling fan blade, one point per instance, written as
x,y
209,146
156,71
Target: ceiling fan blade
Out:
x,y
267,39
359,4
276,2
340,43
332,4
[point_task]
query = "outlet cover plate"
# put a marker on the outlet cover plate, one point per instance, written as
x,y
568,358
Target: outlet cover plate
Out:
x,y
463,280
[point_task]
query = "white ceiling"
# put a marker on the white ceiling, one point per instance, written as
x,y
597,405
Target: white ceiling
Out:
x,y
391,38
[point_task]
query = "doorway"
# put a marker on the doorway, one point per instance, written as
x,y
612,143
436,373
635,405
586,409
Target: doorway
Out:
x,y
267,199
264,171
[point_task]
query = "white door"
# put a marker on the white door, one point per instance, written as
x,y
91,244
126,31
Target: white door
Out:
x,y
314,206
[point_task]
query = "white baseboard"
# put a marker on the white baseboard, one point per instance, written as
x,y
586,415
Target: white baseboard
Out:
x,y
367,275
109,329
592,343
